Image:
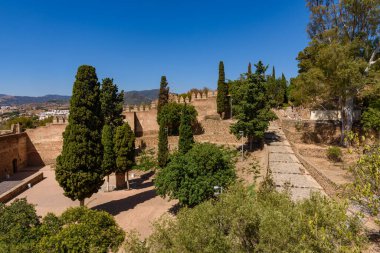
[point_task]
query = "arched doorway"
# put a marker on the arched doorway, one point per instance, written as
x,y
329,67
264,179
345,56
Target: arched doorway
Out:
x,y
14,163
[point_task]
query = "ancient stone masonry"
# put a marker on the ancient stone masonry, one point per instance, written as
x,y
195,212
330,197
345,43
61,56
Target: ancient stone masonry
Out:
x,y
142,118
13,154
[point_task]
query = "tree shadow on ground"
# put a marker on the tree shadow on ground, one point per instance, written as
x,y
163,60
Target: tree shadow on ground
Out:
x,y
115,207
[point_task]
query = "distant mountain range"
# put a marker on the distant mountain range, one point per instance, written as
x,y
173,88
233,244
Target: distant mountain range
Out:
x,y
130,97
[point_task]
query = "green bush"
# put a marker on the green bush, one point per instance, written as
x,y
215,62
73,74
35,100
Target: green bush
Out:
x,y
334,154
243,220
191,177
77,230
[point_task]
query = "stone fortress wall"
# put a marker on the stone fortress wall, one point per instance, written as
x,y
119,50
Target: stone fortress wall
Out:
x,y
41,146
142,118
34,147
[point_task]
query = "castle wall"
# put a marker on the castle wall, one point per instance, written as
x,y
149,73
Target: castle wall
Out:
x,y
44,144
13,153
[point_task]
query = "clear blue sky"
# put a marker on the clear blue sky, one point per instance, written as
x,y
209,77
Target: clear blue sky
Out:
x,y
42,43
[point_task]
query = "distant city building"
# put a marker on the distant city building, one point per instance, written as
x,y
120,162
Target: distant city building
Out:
x,y
52,113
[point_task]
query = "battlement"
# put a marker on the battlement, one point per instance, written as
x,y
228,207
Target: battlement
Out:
x,y
172,98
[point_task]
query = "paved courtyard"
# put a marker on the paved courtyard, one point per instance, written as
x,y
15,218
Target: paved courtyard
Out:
x,y
14,180
287,171
133,209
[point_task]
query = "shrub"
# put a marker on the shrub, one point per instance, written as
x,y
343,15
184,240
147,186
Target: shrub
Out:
x,y
244,220
334,154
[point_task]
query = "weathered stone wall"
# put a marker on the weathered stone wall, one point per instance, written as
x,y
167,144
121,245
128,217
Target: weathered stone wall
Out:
x,y
143,118
13,153
44,144
311,131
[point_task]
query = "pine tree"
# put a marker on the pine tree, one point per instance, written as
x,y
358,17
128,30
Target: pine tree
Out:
x,y
163,151
222,99
186,138
249,69
78,169
253,110
125,152
163,96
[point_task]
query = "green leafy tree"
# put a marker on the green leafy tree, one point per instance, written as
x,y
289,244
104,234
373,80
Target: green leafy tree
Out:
x,y
78,169
186,138
252,108
18,227
191,177
112,107
170,116
124,150
222,97
163,149
81,230
163,95
243,220
337,62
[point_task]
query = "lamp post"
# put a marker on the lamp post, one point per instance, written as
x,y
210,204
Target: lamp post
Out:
x,y
231,107
242,144
218,190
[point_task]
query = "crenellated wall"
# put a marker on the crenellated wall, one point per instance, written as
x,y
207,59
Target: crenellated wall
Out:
x,y
142,118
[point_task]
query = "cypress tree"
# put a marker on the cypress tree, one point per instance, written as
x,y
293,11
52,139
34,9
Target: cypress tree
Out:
x,y
186,138
78,169
273,73
109,156
125,152
249,69
163,151
163,96
285,88
112,107
222,99
111,103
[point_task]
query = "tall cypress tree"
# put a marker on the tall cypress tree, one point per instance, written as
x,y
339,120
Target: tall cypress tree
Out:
x,y
125,151
186,138
163,96
112,107
111,103
78,169
222,99
249,69
163,150
273,73
284,88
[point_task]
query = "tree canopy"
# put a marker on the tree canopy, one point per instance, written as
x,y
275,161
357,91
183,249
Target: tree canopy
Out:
x,y
191,177
251,106
170,116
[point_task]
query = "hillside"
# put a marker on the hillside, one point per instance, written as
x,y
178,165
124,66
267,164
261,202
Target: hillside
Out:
x,y
21,100
130,97
140,97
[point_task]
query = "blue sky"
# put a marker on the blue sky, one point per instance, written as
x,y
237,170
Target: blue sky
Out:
x,y
42,43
